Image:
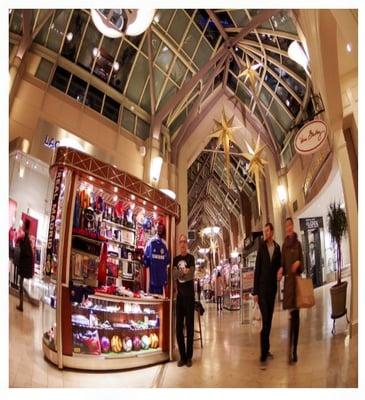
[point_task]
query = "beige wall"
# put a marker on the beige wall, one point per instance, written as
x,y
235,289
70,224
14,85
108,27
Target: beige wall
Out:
x,y
34,102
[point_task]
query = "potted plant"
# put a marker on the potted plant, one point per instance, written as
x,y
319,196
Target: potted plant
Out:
x,y
337,227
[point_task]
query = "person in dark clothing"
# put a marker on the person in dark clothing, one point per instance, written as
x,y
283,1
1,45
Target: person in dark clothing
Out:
x,y
291,266
268,262
198,289
26,262
183,273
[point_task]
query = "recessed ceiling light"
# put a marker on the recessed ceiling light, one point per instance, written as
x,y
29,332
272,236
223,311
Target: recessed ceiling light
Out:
x,y
115,198
133,197
115,189
287,102
156,18
349,47
69,36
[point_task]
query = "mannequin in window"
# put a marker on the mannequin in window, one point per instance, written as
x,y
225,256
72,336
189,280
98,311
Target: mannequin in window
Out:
x,y
156,260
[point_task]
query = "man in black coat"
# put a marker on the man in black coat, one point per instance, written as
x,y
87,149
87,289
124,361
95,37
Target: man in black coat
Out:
x,y
268,261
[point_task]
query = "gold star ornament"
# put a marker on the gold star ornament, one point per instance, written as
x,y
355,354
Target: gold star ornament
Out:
x,y
256,166
250,73
224,132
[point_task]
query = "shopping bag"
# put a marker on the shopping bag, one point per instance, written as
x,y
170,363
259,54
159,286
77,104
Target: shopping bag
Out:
x,y
304,292
256,316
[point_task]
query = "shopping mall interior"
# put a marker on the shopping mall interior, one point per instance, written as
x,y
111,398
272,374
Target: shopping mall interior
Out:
x,y
134,132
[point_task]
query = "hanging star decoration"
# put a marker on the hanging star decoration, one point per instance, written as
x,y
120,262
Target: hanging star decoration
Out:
x,y
256,166
250,73
224,132
213,245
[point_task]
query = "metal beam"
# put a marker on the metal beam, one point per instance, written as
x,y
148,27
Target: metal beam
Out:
x,y
199,173
176,147
223,51
152,73
195,110
39,26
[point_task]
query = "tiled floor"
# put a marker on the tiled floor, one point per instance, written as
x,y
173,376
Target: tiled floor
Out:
x,y
229,357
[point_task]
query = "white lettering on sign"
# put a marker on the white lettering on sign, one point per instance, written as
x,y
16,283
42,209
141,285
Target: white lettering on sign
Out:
x,y
311,137
51,143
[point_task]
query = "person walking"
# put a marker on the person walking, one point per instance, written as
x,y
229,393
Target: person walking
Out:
x,y
26,262
291,267
268,262
183,273
219,289
198,289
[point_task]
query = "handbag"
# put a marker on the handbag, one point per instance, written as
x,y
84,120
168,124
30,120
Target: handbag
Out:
x,y
256,317
304,292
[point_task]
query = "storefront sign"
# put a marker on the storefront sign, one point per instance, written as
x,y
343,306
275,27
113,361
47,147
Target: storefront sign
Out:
x,y
310,223
50,142
53,216
311,137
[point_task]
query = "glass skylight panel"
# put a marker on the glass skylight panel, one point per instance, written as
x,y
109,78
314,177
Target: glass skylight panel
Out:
x,y
74,34
138,79
178,26
57,30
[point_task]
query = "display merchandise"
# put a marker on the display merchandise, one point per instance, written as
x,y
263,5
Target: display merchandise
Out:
x,y
232,294
108,261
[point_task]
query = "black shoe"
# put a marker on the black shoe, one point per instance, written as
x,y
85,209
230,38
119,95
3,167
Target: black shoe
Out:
x,y
270,355
181,363
19,308
263,359
189,363
295,357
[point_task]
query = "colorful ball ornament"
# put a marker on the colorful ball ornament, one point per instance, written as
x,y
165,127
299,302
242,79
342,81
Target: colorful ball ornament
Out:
x,y
137,344
116,344
105,344
145,342
127,344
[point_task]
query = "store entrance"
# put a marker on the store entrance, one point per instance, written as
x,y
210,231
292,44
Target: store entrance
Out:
x,y
313,243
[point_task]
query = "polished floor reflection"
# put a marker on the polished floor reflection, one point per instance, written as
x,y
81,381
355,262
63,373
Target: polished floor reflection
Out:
x,y
229,357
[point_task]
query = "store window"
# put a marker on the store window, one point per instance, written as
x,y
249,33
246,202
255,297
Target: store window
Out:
x,y
128,120
57,29
94,98
77,88
44,70
111,109
60,79
143,129
74,34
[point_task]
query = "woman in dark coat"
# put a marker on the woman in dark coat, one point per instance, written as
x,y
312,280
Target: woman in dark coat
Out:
x,y
26,262
292,266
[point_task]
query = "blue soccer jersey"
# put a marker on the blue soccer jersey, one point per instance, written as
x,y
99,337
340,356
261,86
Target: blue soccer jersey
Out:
x,y
156,258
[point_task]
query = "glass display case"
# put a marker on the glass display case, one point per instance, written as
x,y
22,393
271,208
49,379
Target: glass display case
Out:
x,y
101,309
232,294
114,328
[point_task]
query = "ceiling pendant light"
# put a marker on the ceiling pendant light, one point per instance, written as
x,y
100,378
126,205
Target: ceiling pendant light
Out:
x,y
109,22
297,54
113,23
139,21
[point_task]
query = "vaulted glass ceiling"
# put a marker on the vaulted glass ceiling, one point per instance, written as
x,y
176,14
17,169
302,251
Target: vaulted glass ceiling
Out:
x,y
182,42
